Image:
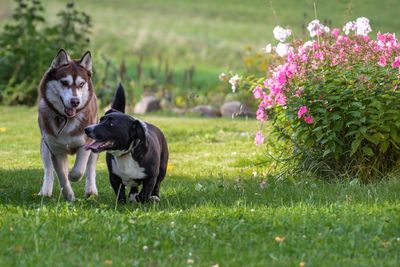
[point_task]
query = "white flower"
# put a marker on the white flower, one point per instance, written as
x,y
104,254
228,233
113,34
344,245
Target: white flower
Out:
x,y
222,77
349,27
281,34
316,28
282,49
308,44
254,174
234,81
362,26
268,48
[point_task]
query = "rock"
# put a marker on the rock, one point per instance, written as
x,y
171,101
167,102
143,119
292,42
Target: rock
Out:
x,y
231,109
206,111
147,104
235,109
178,111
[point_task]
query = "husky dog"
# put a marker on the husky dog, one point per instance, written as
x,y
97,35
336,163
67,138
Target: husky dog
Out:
x,y
67,104
137,152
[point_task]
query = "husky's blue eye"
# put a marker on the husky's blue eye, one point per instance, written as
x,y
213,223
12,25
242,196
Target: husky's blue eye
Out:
x,y
64,82
81,84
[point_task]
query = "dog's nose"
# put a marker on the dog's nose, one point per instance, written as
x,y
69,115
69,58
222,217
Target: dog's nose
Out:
x,y
75,102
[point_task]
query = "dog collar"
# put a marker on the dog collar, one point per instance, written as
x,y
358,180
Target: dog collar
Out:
x,y
120,153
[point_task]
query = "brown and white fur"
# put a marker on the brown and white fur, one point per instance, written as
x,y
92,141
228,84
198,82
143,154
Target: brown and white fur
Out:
x,y
67,104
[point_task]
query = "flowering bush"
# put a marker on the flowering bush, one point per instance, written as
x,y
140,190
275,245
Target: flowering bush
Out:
x,y
335,98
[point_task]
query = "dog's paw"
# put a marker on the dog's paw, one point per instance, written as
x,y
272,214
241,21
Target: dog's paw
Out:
x,y
133,198
91,192
45,192
74,176
154,199
69,196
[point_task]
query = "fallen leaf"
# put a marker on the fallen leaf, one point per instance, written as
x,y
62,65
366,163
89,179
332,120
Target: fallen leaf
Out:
x,y
279,239
108,262
302,264
170,167
263,184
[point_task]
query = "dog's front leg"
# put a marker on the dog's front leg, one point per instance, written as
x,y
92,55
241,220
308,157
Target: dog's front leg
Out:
x,y
90,186
60,164
119,188
81,160
48,178
147,189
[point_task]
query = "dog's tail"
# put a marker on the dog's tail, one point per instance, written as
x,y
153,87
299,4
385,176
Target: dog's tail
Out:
x,y
119,99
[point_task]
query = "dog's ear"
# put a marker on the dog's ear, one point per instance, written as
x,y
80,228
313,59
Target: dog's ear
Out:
x,y
119,99
61,59
139,132
86,61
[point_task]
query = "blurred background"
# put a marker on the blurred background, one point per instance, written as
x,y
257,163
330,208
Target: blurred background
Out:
x,y
174,50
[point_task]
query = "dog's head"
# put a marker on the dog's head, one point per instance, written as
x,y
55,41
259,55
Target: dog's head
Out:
x,y
67,85
116,131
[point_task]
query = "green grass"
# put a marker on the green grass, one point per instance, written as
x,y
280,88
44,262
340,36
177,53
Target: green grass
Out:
x,y
213,210
208,34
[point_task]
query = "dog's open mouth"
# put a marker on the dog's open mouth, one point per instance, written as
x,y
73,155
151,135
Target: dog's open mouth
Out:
x,y
98,146
70,112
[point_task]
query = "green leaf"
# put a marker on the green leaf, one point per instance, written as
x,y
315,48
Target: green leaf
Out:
x,y
354,146
368,151
356,114
326,152
336,117
384,146
375,138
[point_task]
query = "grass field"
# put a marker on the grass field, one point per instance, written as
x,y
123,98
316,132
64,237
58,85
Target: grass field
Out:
x,y
210,34
213,209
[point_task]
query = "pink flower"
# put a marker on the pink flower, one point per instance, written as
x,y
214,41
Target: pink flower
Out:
x,y
260,114
308,119
335,32
302,110
396,62
259,138
298,92
258,92
319,55
382,61
280,99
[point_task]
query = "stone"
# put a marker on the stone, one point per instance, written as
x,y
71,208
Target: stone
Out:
x,y
147,104
206,111
232,109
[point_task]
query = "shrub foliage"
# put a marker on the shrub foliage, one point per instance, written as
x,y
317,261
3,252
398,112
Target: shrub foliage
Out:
x,y
336,99
28,44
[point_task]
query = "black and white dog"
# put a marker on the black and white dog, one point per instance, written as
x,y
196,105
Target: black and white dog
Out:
x,y
137,152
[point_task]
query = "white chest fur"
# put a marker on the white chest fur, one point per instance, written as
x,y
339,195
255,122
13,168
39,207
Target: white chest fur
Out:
x,y
127,169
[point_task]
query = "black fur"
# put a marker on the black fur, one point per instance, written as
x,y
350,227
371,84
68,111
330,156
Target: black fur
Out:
x,y
144,141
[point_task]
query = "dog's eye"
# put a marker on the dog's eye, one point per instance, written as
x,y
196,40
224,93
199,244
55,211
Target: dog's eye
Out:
x,y
64,82
110,123
81,84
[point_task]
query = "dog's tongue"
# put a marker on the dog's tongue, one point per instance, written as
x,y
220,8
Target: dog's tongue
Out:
x,y
94,145
70,112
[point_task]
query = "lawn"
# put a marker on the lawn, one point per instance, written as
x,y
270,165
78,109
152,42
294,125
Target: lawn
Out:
x,y
213,209
210,34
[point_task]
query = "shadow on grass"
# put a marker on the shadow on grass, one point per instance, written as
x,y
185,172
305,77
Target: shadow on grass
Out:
x,y
20,188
